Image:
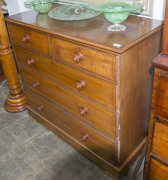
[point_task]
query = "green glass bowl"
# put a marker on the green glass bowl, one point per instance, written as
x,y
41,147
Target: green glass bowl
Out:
x,y
117,11
42,6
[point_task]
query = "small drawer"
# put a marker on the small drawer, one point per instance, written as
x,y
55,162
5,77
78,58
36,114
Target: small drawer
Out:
x,y
90,59
160,140
29,38
158,170
89,112
86,135
100,90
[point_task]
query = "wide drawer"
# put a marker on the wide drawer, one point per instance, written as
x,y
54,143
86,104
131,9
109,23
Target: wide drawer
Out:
x,y
160,140
162,97
93,60
158,171
95,88
84,134
29,38
89,112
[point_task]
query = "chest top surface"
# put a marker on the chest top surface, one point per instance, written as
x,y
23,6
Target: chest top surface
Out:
x,y
92,31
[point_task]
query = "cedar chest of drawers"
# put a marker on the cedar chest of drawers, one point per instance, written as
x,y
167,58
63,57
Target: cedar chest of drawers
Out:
x,y
89,86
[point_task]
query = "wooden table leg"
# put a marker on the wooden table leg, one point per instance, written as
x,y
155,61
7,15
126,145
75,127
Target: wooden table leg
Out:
x,y
15,101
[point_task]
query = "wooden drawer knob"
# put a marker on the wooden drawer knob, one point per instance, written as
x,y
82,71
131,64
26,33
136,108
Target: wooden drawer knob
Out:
x,y
84,137
80,84
77,57
40,107
83,111
25,39
36,84
30,61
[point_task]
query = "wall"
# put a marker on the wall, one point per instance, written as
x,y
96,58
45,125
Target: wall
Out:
x,y
16,6
159,9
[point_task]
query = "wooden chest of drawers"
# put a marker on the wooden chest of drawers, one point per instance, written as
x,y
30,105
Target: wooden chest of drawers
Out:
x,y
156,166
89,86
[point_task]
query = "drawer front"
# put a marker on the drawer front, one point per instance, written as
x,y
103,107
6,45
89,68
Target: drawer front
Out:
x,y
86,135
95,88
162,97
160,140
29,38
93,60
158,171
89,112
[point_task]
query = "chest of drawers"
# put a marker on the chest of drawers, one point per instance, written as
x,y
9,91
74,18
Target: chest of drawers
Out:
x,y
156,166
89,86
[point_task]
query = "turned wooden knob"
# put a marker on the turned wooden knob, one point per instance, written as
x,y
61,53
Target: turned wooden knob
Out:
x,y
80,84
77,57
36,84
25,38
83,111
30,61
40,107
84,137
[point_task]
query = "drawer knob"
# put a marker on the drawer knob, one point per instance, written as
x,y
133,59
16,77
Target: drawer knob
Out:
x,y
30,61
36,84
25,38
80,84
77,57
84,137
40,107
83,111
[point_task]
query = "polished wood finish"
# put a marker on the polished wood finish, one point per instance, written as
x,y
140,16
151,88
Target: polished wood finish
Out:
x,y
99,144
93,87
98,116
158,171
93,60
156,163
29,38
158,127
2,76
15,101
160,140
165,32
104,91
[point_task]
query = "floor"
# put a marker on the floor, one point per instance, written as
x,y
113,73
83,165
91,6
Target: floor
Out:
x,y
29,151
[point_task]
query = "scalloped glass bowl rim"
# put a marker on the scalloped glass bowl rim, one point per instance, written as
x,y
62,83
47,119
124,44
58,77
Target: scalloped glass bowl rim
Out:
x,y
100,4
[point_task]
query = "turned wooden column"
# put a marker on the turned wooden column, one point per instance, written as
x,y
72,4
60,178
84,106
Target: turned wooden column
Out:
x,y
15,101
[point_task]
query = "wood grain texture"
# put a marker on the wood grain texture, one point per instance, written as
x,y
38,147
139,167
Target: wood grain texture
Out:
x,y
165,32
2,76
135,98
15,101
115,68
158,171
160,140
98,116
100,145
95,88
162,97
36,40
93,60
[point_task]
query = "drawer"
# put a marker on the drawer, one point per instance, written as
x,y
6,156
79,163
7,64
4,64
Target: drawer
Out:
x,y
160,140
89,112
29,38
162,97
93,60
86,135
91,86
158,171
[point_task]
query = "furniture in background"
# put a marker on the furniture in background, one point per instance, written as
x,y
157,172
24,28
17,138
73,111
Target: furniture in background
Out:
x,y
2,76
156,165
15,101
89,86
